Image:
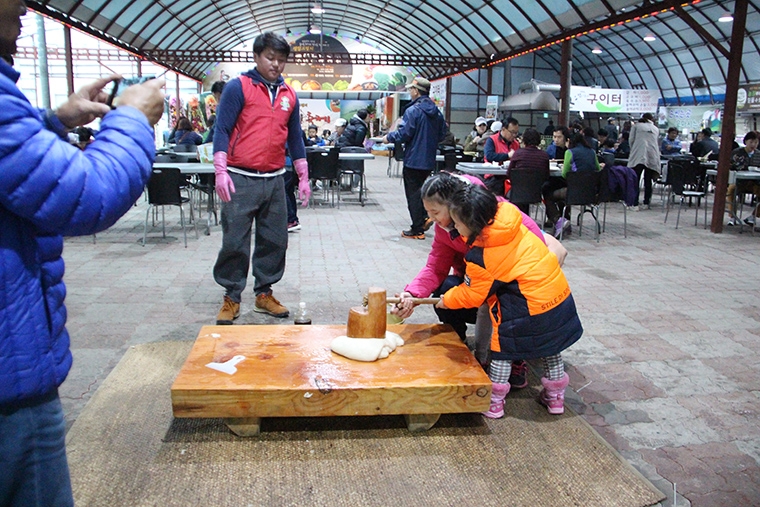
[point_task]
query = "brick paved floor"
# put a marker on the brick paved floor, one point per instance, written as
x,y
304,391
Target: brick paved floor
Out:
x,y
668,370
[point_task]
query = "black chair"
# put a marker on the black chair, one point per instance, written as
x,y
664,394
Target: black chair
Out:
x,y
324,167
451,159
686,178
164,190
606,195
526,188
185,148
583,191
397,159
354,168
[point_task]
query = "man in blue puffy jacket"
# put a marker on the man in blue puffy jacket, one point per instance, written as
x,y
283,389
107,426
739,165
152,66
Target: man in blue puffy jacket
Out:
x,y
50,189
423,128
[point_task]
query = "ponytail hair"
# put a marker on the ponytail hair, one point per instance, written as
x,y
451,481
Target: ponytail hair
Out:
x,y
440,187
475,207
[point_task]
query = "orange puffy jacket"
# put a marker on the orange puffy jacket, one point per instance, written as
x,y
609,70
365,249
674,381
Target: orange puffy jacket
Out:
x,y
532,310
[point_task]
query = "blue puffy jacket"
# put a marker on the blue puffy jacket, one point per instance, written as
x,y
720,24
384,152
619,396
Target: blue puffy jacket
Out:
x,y
48,189
422,130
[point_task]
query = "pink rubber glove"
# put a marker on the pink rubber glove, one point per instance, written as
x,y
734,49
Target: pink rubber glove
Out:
x,y
224,186
304,189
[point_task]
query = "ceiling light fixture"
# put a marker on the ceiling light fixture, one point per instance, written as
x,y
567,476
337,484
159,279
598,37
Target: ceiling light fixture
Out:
x,y
335,33
357,39
650,38
596,51
317,9
314,30
727,17
288,32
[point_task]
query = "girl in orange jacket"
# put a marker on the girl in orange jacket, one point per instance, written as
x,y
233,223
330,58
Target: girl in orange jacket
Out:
x,y
531,306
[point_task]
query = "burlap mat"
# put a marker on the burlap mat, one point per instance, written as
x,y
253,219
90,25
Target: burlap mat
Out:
x,y
126,449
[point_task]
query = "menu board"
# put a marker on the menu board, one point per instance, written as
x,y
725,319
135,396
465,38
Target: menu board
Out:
x,y
608,100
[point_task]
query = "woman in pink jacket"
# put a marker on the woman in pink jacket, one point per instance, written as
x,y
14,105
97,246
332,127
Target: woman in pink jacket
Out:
x,y
445,267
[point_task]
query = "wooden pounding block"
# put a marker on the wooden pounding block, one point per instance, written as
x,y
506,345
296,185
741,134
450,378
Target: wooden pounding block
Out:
x,y
290,371
369,322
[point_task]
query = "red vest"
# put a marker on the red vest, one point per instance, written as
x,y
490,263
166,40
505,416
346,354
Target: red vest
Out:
x,y
501,146
258,140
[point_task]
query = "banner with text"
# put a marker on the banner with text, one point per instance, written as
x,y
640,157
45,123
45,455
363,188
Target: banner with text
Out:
x,y
607,100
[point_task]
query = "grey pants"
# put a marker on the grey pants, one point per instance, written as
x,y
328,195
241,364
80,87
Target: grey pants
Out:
x,y
261,200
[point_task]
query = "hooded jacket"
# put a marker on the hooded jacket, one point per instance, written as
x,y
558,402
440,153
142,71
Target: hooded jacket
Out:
x,y
354,134
531,307
50,189
422,129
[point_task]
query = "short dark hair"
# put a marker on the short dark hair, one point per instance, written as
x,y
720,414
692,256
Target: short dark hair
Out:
x,y
602,132
672,129
749,136
511,121
531,137
707,132
270,40
218,87
609,143
475,207
362,113
564,131
647,117
440,187
588,131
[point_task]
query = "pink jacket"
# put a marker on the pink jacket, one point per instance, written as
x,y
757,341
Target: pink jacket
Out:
x,y
447,254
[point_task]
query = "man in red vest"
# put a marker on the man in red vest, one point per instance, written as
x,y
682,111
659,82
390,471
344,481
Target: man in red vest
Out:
x,y
258,115
499,148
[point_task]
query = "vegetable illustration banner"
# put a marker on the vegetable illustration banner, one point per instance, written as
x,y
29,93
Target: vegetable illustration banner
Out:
x,y
341,78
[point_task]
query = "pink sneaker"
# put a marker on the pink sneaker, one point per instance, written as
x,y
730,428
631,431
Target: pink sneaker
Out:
x,y
552,396
498,393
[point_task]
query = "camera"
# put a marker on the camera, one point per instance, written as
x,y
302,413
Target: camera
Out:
x,y
122,84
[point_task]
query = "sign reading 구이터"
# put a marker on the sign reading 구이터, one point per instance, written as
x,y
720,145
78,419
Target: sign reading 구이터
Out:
x,y
608,100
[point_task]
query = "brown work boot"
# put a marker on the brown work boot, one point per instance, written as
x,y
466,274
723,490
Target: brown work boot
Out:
x,y
229,312
267,303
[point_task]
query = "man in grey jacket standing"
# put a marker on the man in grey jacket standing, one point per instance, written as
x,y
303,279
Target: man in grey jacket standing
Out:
x,y
423,128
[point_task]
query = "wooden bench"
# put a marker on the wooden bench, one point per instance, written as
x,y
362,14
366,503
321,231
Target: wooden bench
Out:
x,y
290,371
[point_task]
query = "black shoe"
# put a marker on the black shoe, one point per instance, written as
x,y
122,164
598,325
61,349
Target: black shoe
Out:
x,y
519,376
410,234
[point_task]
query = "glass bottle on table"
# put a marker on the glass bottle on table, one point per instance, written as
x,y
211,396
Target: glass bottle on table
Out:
x,y
302,316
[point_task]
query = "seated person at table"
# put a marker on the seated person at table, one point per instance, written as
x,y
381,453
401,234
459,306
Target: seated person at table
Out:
x,y
499,148
356,131
532,310
671,145
741,159
476,140
184,133
556,150
529,158
340,127
623,149
705,145
591,139
313,137
579,157
607,153
601,137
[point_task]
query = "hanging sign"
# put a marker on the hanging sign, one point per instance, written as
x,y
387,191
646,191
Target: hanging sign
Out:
x,y
607,100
